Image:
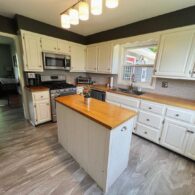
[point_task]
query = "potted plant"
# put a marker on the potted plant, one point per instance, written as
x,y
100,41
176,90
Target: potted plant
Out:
x,y
87,95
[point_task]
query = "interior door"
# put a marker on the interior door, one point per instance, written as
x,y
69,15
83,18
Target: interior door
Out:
x,y
174,54
174,136
33,55
104,58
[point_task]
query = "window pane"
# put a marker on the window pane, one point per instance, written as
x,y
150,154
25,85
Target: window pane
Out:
x,y
126,72
140,56
143,74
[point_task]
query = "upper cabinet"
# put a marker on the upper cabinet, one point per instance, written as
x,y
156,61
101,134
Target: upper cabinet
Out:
x,y
100,59
32,53
78,58
176,55
55,45
92,53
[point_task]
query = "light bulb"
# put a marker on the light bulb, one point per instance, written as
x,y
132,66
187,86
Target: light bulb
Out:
x,y
96,7
65,21
83,11
74,16
111,3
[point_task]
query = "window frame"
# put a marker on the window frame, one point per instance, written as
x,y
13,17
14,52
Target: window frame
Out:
x,y
123,49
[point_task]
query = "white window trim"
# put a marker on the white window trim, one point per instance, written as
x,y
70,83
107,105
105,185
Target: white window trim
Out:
x,y
136,44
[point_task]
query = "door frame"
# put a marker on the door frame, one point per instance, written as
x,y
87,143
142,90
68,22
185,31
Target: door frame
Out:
x,y
20,70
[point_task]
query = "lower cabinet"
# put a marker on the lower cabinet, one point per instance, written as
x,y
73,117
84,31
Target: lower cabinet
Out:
x,y
174,136
39,107
179,138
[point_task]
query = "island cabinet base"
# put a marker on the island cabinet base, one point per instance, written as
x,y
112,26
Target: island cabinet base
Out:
x,y
103,153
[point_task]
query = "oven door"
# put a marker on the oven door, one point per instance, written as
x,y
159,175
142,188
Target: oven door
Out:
x,y
54,61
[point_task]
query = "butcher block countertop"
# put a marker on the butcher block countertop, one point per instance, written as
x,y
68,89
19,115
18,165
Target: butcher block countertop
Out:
x,y
38,88
103,113
172,101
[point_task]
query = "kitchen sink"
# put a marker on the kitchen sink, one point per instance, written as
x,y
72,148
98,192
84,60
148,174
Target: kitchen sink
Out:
x,y
133,92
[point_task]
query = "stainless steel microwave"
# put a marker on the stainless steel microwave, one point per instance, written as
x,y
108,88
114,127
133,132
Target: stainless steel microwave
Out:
x,y
56,61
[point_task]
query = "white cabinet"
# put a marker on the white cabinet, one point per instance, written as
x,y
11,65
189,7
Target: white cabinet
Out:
x,y
100,58
32,52
39,106
174,55
174,136
190,150
54,45
78,58
104,58
92,53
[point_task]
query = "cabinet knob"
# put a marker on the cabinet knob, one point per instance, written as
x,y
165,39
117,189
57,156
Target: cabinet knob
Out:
x,y
177,115
145,132
147,119
124,128
189,131
150,108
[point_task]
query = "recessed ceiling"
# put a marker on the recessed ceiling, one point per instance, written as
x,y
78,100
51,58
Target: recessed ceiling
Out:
x,y
129,11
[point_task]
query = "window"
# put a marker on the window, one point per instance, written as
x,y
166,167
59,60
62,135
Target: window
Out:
x,y
138,65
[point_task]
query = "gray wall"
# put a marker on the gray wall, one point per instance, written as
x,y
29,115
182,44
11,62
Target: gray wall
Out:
x,y
5,61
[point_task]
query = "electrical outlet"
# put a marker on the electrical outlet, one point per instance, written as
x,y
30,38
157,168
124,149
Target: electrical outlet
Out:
x,y
164,84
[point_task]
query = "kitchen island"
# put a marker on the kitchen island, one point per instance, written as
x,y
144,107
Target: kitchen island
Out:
x,y
97,135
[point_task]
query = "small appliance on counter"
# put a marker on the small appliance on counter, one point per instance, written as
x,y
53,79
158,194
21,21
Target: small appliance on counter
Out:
x,y
84,80
33,79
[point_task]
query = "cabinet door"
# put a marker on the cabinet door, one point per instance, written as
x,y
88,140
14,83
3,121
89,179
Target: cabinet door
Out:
x,y
32,53
174,136
173,57
42,111
104,58
91,59
64,47
78,58
49,44
190,150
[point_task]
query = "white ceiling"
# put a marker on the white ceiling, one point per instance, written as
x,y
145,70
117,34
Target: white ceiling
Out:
x,y
129,11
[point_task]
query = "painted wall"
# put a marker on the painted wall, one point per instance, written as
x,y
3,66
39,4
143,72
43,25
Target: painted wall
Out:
x,y
6,66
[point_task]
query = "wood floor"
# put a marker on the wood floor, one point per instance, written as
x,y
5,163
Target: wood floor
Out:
x,y
32,162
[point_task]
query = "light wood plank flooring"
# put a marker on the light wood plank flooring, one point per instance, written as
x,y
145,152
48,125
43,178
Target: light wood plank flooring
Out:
x,y
32,162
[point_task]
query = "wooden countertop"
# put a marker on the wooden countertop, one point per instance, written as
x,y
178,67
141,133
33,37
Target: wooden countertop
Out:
x,y
96,87
172,101
103,113
38,88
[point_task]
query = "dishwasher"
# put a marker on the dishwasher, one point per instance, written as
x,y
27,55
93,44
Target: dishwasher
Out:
x,y
97,94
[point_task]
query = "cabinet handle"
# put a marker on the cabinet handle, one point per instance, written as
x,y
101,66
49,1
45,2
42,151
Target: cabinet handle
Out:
x,y
189,131
150,108
147,119
124,128
177,115
47,104
145,132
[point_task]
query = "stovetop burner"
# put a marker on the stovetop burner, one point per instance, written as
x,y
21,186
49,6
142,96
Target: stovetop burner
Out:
x,y
58,85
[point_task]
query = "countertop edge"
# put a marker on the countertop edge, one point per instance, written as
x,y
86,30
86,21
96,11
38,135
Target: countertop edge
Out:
x,y
99,122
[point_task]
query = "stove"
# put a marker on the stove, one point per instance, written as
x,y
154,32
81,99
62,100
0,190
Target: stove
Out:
x,y
58,87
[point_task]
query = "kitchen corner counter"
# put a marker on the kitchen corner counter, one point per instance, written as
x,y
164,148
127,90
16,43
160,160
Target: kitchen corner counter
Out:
x,y
110,116
38,88
169,100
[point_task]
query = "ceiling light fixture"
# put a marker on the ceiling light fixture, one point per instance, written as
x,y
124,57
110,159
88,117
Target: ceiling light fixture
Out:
x,y
65,21
83,11
111,3
72,15
96,7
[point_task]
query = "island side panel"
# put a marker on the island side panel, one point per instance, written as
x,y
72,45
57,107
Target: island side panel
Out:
x,y
119,148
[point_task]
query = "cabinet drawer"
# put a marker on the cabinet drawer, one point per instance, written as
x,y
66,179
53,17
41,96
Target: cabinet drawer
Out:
x,y
40,95
152,107
148,132
150,119
179,114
